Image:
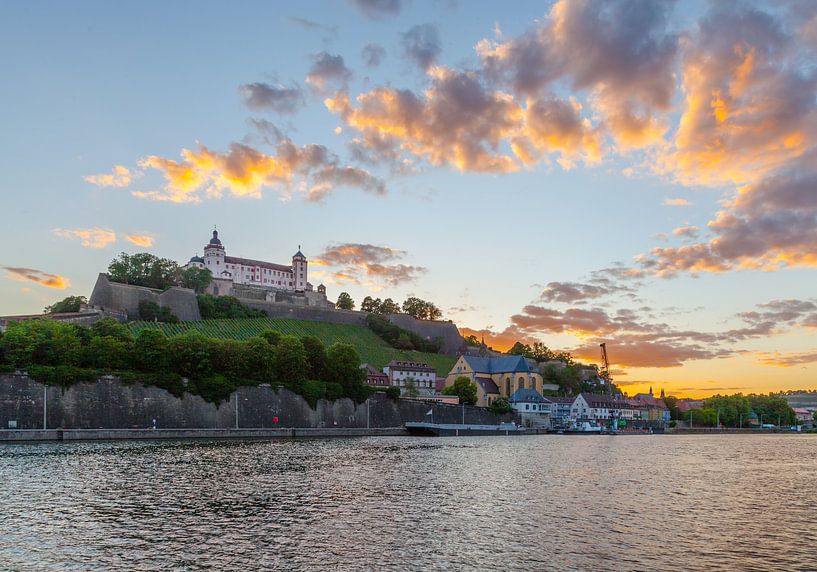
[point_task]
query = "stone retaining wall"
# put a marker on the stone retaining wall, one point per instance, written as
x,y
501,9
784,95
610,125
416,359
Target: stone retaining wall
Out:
x,y
110,404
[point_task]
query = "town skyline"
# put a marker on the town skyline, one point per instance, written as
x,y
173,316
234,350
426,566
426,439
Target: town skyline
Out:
x,y
657,194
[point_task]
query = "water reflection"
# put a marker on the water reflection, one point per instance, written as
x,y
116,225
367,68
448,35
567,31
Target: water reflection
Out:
x,y
549,502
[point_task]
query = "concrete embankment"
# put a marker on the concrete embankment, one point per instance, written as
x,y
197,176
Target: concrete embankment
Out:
x,y
37,435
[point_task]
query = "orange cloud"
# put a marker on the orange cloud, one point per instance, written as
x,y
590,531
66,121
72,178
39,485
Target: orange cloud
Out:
x,y
748,109
779,359
120,177
676,202
89,237
244,172
143,240
368,259
38,276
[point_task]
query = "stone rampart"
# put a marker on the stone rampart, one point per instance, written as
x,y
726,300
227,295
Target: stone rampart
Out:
x,y
110,404
114,296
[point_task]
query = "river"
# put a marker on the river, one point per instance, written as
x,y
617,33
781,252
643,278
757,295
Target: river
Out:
x,y
697,502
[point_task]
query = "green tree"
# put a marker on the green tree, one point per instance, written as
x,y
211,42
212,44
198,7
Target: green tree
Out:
x,y
112,328
343,367
150,351
42,342
421,309
197,279
403,342
732,408
772,408
259,360
411,389
151,312
500,405
272,337
520,349
190,354
472,340
540,352
463,388
66,305
389,306
371,305
289,364
313,390
345,302
230,358
108,352
144,269
315,357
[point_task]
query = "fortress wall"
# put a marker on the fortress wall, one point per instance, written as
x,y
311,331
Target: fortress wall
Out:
x,y
452,340
111,404
126,297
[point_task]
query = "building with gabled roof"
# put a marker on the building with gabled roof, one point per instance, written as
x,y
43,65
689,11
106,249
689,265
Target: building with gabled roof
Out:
x,y
507,373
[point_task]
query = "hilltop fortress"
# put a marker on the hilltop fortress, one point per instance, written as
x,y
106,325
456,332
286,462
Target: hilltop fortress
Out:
x,y
281,291
259,280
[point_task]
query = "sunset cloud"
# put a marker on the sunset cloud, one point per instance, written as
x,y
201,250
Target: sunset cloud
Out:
x,y
770,224
456,122
676,203
38,276
620,53
368,260
120,177
373,54
780,359
143,240
88,237
690,231
748,108
574,292
328,71
245,172
261,96
421,45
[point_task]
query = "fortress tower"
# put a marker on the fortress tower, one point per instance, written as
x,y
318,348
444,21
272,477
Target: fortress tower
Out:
x,y
299,270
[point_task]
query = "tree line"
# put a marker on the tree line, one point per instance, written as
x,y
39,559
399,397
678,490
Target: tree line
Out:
x,y
61,353
735,410
413,306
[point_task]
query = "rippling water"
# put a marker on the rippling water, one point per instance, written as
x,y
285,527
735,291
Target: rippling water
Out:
x,y
522,503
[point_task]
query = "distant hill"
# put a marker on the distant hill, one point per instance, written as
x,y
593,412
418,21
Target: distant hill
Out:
x,y
801,399
371,348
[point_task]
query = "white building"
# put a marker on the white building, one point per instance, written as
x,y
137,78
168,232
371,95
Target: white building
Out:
x,y
423,375
233,270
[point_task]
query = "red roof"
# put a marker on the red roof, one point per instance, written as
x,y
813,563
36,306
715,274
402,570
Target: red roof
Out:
x,y
258,263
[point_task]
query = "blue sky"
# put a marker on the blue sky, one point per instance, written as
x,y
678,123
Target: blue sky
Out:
x,y
93,85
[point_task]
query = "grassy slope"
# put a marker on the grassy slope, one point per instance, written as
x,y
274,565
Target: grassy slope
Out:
x,y
370,347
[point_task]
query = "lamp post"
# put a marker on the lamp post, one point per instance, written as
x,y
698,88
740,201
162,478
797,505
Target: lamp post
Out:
x,y
45,407
236,408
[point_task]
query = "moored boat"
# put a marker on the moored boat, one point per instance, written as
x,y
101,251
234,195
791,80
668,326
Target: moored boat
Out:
x,y
462,429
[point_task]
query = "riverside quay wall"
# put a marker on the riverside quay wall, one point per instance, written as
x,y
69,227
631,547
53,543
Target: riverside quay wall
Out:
x,y
111,404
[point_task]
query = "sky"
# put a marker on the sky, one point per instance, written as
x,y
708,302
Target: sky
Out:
x,y
638,173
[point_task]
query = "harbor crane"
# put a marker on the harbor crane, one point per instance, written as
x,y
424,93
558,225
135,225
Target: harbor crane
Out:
x,y
605,374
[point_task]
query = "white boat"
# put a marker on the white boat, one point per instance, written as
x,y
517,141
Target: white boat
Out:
x,y
584,428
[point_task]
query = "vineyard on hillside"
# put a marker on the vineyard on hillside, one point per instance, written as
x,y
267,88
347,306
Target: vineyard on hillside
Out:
x,y
371,348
